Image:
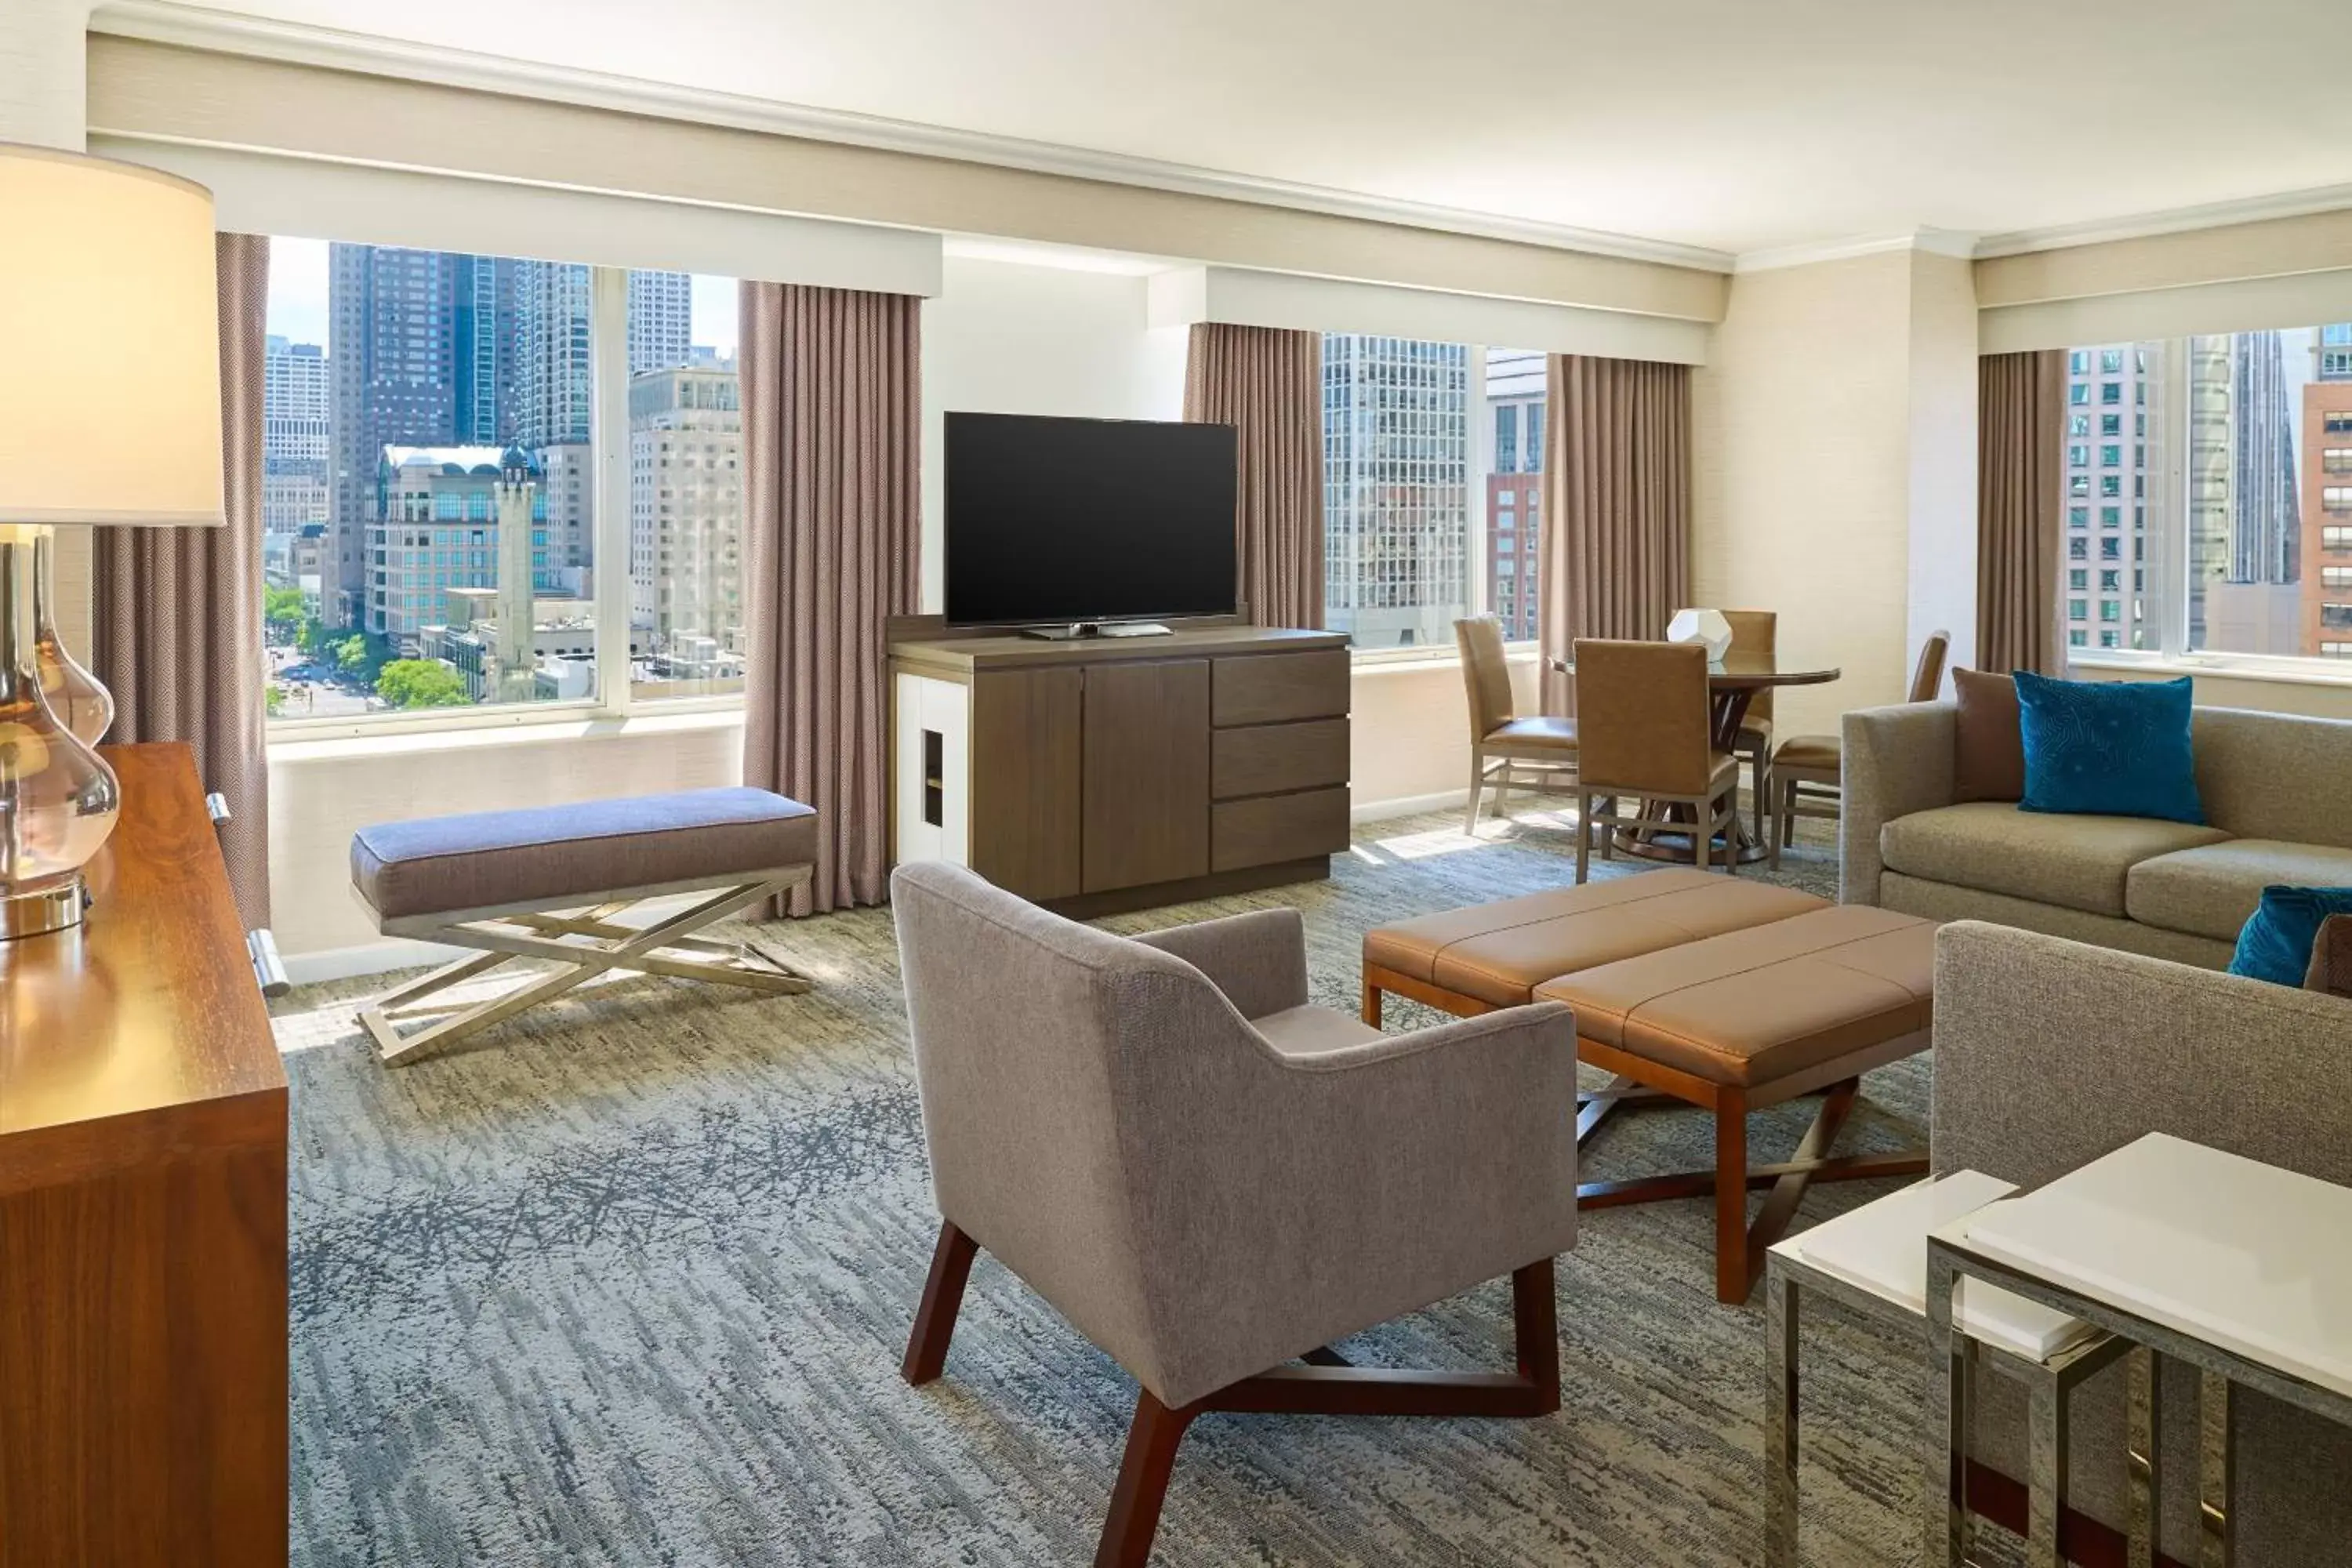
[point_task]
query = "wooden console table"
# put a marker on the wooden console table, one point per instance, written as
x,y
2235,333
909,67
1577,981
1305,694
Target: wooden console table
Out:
x,y
142,1213
1120,772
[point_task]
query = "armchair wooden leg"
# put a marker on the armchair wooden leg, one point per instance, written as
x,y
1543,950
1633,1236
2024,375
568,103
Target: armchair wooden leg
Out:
x,y
1535,1325
935,1319
1152,1438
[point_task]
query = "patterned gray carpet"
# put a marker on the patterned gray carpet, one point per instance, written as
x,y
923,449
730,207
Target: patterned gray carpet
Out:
x,y
629,1283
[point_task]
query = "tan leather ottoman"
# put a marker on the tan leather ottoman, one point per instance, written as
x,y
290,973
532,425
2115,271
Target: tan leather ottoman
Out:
x,y
1473,961
1746,1019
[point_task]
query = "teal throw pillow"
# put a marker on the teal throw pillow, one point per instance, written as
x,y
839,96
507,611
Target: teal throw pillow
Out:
x,y
2108,748
2275,944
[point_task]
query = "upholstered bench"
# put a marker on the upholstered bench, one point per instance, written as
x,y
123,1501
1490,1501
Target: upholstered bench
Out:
x,y
555,882
1696,990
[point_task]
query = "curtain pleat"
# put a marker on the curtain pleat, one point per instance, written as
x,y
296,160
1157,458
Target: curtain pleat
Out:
x,y
831,433
1267,382
178,611
2020,432
1614,549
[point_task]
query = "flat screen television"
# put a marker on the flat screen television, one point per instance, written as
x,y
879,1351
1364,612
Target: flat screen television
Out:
x,y
1052,521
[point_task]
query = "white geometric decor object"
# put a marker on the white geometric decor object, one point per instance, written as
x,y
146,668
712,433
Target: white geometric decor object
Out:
x,y
1707,626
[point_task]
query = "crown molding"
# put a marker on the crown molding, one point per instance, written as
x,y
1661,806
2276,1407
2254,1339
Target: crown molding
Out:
x,y
197,28
1933,241
2174,220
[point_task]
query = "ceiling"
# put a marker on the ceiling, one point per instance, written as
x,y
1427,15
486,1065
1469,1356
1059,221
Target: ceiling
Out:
x,y
1734,125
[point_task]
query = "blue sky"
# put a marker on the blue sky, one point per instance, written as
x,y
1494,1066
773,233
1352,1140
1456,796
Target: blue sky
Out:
x,y
297,297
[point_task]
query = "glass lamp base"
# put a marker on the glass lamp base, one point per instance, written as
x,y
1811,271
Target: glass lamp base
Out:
x,y
40,910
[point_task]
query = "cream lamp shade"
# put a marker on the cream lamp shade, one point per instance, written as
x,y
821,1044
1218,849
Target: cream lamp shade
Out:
x,y
111,403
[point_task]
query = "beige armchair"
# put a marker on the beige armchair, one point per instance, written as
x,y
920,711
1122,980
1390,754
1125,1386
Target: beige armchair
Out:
x,y
1210,1178
1539,751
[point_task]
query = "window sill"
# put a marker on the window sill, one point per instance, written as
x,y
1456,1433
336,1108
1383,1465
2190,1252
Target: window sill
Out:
x,y
2215,670
299,748
1384,660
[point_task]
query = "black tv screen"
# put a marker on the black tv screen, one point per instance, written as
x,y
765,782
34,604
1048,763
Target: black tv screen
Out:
x,y
1055,521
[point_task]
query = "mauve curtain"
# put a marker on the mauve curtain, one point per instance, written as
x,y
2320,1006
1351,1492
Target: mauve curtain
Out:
x,y
1267,382
177,617
2020,429
1614,557
832,440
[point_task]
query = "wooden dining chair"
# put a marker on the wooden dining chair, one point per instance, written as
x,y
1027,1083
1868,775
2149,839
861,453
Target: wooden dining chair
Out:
x,y
1808,770
1645,727
1538,752
1756,631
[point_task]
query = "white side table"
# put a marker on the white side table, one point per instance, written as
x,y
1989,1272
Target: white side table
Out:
x,y
1873,1260
2235,1266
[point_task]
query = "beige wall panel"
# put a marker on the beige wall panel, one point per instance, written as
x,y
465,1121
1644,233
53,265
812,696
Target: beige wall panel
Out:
x,y
2316,242
153,89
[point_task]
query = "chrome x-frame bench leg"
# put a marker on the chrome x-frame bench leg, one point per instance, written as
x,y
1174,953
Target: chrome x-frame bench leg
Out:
x,y
585,942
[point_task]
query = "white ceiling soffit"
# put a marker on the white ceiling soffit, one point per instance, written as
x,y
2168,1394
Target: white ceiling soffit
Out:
x,y
158,21
258,193
2246,305
1245,297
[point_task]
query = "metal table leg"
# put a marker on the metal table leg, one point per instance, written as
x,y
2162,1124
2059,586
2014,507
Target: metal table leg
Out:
x,y
1946,1539
2143,1454
2046,1467
1781,1498
2216,1467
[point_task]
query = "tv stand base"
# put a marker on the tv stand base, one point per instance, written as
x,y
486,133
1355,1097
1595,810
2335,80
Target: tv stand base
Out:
x,y
1078,629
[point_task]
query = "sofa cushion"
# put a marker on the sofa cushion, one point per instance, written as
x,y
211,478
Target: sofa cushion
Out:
x,y
2214,889
1989,738
2099,748
2077,862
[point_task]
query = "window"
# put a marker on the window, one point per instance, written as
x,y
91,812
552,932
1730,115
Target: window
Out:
x,y
2078,609
2078,425
2337,422
2078,517
2335,460
2111,609
2077,637
2111,360
2111,424
2111,392
2110,517
2110,581
2076,457
1431,452
2078,550
2335,536
2335,497
2110,639
436,539
2336,576
2078,580
2079,394
686,488
2335,650
2335,617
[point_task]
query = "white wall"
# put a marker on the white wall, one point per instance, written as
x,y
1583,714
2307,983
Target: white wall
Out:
x,y
1004,337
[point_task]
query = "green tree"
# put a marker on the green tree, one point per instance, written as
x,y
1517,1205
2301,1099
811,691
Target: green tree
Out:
x,y
282,610
311,637
273,698
421,683
352,653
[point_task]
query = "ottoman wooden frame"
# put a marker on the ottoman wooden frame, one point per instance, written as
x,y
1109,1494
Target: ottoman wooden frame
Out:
x,y
1638,1082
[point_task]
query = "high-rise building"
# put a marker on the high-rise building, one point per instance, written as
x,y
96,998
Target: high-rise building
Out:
x,y
686,508
1515,399
484,355
441,528
2114,428
1396,489
2326,619
297,411
661,321
2245,526
553,374
392,326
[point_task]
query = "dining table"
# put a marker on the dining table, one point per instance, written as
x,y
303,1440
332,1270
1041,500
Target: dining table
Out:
x,y
1732,684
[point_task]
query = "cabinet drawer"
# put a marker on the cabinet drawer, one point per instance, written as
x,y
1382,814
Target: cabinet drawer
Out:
x,y
1278,827
1270,688
1265,759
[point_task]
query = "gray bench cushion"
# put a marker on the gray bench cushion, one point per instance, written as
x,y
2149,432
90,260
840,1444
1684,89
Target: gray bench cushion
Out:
x,y
494,859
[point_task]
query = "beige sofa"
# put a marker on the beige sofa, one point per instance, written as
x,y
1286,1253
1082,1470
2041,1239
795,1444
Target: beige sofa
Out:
x,y
2277,793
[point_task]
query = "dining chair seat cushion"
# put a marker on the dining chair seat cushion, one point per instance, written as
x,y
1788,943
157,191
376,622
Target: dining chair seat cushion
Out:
x,y
589,850
1542,732
1755,733
1824,753
1498,953
1752,1007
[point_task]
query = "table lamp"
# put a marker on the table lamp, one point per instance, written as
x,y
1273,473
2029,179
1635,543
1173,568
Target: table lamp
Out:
x,y
110,414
